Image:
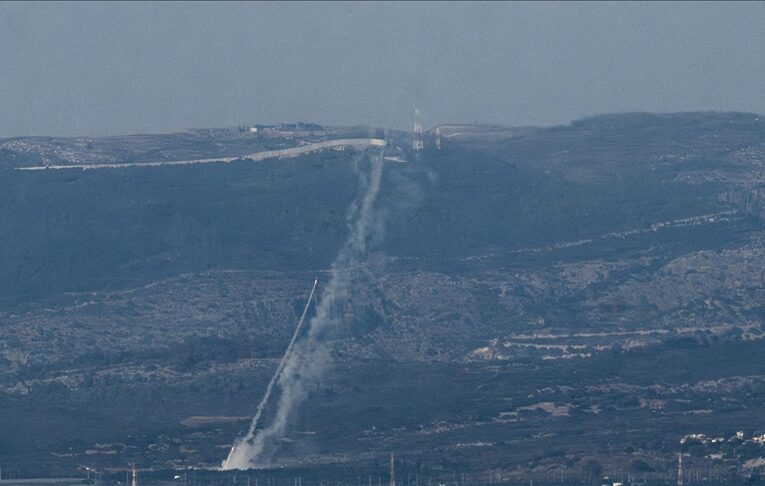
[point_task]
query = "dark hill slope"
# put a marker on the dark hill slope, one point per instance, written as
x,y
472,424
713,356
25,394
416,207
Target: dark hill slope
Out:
x,y
78,230
538,300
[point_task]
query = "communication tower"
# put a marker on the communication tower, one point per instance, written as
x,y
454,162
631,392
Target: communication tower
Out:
x,y
417,141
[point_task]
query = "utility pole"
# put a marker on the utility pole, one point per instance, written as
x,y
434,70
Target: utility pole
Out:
x,y
680,469
392,467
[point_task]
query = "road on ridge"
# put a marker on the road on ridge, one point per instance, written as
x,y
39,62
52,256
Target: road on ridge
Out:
x,y
356,143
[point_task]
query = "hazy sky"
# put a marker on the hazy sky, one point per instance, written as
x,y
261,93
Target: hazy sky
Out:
x,y
110,68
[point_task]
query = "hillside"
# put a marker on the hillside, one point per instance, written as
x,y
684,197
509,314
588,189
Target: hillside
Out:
x,y
531,300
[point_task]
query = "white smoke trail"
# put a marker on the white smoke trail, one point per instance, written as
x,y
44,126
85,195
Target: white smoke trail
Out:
x,y
305,366
270,388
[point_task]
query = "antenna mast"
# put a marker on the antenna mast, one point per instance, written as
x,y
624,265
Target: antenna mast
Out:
x,y
417,141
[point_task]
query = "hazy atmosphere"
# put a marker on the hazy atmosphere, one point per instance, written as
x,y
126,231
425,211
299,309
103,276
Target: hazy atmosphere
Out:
x,y
115,68
382,244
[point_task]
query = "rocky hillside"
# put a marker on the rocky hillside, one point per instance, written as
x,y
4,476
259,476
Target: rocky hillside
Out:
x,y
533,300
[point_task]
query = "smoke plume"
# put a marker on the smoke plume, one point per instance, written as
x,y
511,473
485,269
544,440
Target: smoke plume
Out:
x,y
310,358
248,438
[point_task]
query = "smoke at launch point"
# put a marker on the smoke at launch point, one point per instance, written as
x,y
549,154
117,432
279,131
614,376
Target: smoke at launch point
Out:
x,y
306,361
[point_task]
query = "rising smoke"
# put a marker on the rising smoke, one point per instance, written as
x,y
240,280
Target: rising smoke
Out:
x,y
306,361
249,437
